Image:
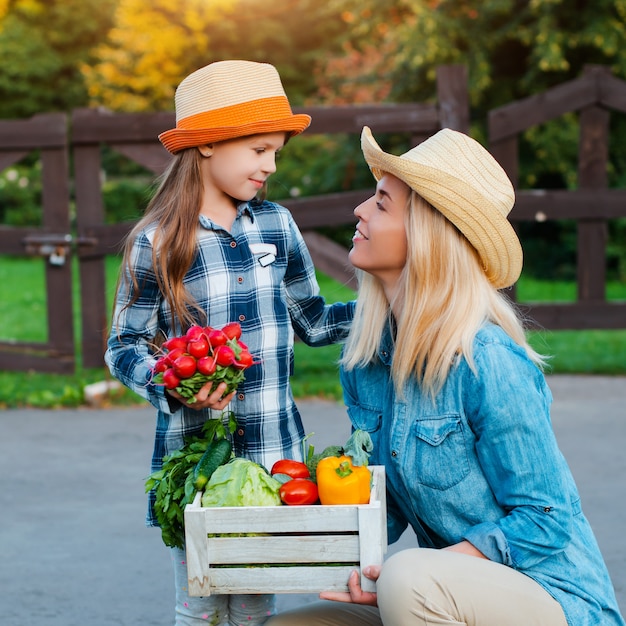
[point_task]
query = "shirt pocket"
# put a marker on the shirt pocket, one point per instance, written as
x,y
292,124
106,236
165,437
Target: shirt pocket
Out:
x,y
440,453
367,419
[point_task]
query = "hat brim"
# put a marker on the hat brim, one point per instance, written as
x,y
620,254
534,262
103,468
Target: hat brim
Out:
x,y
489,232
178,139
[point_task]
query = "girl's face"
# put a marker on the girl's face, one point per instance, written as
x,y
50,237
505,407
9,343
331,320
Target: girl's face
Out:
x,y
379,243
238,168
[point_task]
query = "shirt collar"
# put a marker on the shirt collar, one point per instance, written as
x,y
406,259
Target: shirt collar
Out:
x,y
242,208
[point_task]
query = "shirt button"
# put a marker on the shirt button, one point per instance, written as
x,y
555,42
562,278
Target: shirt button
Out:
x,y
233,244
240,396
384,354
242,318
240,432
394,453
239,279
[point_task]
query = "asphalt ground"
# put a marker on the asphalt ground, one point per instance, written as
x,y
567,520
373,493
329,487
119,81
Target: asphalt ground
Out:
x,y
74,549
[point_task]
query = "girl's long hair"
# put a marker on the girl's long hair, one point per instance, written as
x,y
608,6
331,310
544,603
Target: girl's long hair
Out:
x,y
445,298
174,210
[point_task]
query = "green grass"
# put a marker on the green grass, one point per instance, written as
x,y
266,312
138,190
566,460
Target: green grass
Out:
x,y
23,318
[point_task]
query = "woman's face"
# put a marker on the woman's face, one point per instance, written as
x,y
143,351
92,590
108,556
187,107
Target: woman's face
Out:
x,y
379,245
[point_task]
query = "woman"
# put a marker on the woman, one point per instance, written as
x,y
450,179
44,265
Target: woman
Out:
x,y
437,369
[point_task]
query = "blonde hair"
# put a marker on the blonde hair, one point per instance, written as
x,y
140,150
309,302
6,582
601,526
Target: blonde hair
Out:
x,y
445,298
174,209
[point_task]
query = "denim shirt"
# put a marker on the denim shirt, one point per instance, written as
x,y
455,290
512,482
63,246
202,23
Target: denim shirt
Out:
x,y
481,463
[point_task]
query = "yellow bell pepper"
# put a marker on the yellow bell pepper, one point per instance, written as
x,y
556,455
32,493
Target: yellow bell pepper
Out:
x,y
341,482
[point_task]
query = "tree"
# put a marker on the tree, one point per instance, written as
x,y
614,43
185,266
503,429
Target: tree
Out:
x,y
43,44
153,47
512,48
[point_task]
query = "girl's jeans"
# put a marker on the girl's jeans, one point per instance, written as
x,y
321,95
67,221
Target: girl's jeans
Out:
x,y
217,610
422,587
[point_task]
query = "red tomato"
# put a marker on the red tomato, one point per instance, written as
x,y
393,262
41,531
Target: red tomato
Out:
x,y
232,330
175,343
198,347
217,338
184,366
224,355
170,380
295,469
298,491
206,365
245,360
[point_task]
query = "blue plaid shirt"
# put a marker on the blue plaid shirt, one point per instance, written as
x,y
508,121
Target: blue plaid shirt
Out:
x,y
261,275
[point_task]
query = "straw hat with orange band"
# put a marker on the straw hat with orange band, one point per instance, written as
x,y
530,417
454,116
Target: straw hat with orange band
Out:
x,y
230,99
464,182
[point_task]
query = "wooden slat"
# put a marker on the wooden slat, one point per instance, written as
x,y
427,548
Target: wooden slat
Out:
x,y
327,548
9,157
257,519
331,209
576,316
541,205
95,126
47,130
45,358
512,119
380,118
613,93
331,258
281,579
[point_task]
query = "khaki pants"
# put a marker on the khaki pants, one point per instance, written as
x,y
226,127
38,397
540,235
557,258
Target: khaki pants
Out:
x,y
422,586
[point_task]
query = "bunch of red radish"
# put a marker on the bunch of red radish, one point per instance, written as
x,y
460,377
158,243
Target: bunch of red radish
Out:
x,y
203,354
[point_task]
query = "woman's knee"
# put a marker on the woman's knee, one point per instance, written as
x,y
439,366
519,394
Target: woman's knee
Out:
x,y
403,585
406,570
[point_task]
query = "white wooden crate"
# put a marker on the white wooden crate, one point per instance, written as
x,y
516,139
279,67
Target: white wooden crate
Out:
x,y
295,549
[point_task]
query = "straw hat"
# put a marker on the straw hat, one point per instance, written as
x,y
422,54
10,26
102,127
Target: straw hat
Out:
x,y
467,185
230,99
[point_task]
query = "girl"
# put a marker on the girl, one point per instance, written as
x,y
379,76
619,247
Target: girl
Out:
x,y
459,411
207,252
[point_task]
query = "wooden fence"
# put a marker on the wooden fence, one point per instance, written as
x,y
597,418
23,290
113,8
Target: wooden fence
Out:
x,y
593,95
134,135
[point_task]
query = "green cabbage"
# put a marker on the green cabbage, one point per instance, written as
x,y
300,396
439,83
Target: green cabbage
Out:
x,y
241,483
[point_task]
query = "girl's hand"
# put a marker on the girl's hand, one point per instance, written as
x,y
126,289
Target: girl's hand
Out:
x,y
205,399
355,594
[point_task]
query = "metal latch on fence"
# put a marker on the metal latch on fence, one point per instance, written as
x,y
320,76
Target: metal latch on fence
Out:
x,y
54,246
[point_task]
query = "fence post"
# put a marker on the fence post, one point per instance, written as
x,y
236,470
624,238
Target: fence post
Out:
x,y
87,167
593,154
453,97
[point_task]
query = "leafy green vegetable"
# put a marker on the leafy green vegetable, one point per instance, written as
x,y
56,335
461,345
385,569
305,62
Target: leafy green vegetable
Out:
x,y
359,446
241,482
173,484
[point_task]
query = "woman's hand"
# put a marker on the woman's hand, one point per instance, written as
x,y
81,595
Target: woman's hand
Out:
x,y
205,399
355,594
